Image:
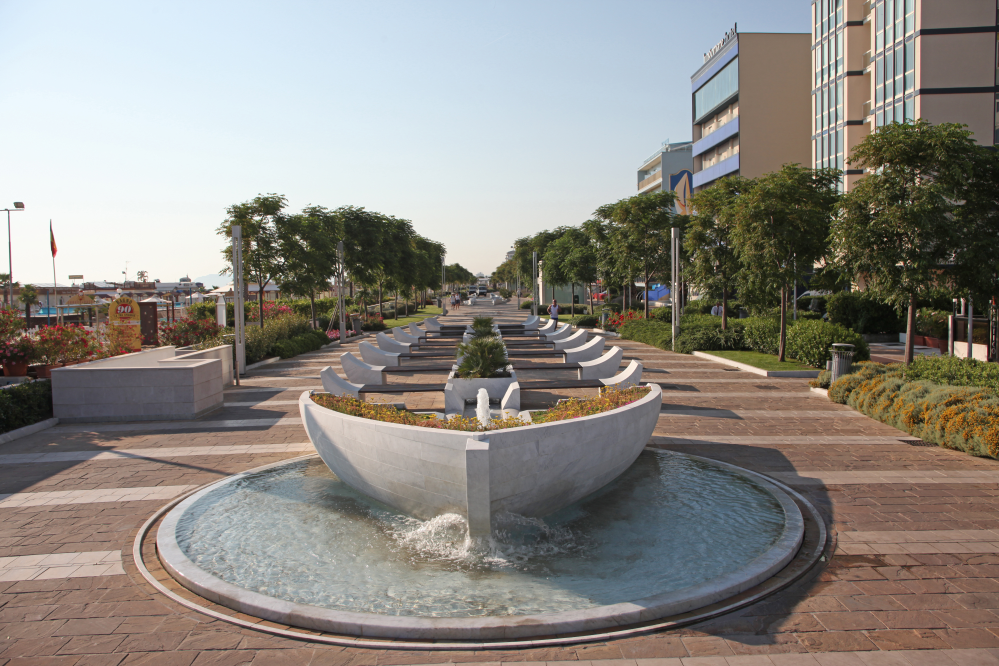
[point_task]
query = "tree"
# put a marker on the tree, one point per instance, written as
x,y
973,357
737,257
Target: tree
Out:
x,y
781,228
640,232
896,229
5,285
261,253
29,297
570,259
714,265
307,243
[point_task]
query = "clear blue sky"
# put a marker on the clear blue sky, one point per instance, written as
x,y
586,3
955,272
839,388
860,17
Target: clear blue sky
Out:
x,y
133,125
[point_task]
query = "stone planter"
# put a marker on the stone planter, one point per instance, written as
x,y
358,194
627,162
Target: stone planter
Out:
x,y
45,371
12,369
468,389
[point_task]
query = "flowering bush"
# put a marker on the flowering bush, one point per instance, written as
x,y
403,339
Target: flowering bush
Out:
x,y
373,323
616,320
10,323
335,333
186,332
271,310
18,350
608,399
65,344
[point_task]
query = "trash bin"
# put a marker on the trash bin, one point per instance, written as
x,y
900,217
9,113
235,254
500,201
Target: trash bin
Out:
x,y
842,359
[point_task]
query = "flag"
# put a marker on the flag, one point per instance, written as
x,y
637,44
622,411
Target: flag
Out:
x,y
52,240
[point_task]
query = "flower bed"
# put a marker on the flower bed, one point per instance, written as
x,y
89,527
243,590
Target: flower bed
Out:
x,y
568,409
187,332
965,418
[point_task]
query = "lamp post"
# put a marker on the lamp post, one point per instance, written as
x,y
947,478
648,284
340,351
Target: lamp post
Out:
x,y
18,206
443,283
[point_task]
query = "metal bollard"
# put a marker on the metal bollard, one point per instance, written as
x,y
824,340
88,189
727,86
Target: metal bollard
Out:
x,y
842,359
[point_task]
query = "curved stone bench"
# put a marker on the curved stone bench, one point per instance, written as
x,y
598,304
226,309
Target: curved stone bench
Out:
x,y
630,376
563,331
532,470
432,324
605,366
385,343
577,339
335,384
375,356
549,327
416,330
531,323
358,371
587,352
404,337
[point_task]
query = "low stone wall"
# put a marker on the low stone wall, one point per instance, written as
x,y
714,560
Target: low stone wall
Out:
x,y
154,385
222,353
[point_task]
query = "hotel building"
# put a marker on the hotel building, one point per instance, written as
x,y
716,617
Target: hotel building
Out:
x,y
751,111
880,61
669,168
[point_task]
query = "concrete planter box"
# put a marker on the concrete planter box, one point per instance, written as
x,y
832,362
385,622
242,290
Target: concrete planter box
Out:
x,y
154,385
533,470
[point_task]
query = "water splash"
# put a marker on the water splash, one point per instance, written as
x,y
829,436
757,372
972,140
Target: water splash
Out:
x,y
482,408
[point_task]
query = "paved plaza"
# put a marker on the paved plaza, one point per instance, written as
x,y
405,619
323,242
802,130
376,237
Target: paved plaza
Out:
x,y
910,575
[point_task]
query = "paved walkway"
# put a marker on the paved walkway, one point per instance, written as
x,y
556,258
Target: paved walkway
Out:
x,y
911,575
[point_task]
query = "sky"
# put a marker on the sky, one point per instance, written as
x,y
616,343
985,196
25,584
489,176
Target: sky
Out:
x,y
132,126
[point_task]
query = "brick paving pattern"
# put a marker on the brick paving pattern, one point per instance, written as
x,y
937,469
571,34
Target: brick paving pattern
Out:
x,y
911,574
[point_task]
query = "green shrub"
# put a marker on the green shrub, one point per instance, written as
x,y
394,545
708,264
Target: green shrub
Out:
x,y
809,341
25,404
840,390
482,358
585,320
932,323
761,334
863,314
812,304
662,314
300,344
526,305
655,333
954,371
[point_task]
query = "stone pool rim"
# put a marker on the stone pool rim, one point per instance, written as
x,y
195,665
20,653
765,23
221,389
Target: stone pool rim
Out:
x,y
497,628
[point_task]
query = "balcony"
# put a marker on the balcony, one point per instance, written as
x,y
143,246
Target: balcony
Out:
x,y
654,179
716,171
723,133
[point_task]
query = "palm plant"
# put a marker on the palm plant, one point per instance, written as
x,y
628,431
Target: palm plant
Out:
x,y
482,327
482,358
29,297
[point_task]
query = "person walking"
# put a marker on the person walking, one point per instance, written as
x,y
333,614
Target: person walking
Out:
x,y
717,309
553,310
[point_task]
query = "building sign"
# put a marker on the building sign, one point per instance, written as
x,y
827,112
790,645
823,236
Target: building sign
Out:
x,y
75,277
680,184
123,317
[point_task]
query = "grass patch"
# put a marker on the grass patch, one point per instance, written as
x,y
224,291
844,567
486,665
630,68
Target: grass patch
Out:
x,y
761,361
427,311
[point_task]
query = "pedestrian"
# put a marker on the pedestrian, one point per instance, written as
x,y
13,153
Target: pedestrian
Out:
x,y
553,310
717,309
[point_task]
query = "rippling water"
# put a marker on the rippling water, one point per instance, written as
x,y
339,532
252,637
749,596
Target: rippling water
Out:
x,y
297,533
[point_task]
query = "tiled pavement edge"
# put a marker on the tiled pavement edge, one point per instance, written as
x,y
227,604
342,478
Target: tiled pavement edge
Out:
x,y
912,577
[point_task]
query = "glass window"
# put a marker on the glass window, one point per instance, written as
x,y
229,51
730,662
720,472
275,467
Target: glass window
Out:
x,y
889,22
879,27
839,102
825,16
898,112
722,85
880,119
910,108
910,16
839,12
839,53
889,74
899,62
815,27
825,107
899,13
910,65
996,139
839,142
879,80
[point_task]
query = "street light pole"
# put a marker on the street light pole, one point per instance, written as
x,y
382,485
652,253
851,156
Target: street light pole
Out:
x,y
18,206
443,284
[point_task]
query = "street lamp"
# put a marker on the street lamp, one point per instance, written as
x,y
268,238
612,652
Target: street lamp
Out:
x,y
10,253
443,283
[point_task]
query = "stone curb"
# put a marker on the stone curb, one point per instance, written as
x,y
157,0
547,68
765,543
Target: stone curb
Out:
x,y
801,374
820,391
28,430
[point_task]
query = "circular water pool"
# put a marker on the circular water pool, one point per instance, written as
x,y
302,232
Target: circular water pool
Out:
x,y
292,543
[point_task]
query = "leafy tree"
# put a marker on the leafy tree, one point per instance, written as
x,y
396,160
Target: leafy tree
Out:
x,y
897,230
570,259
781,228
714,264
976,258
261,252
640,233
307,243
29,297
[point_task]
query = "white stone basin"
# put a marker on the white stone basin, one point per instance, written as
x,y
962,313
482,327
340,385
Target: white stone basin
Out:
x,y
532,470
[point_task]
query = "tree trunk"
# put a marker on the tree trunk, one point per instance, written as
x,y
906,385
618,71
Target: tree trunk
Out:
x,y
589,296
260,300
646,299
724,308
380,313
572,305
910,330
396,304
782,345
312,302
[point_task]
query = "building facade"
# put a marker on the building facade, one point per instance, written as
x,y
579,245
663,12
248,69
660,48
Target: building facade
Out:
x,y
669,168
880,61
750,106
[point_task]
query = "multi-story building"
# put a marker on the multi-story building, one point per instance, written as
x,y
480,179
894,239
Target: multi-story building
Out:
x,y
669,168
750,106
880,61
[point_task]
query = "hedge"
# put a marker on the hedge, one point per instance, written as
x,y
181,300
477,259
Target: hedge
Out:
x,y
809,341
863,314
956,417
585,320
25,404
260,342
301,344
526,305
954,371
